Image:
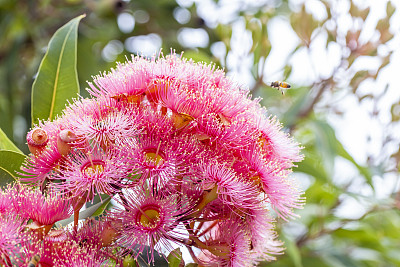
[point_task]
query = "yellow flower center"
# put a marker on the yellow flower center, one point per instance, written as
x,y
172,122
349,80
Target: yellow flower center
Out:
x,y
181,120
93,168
263,142
150,218
154,157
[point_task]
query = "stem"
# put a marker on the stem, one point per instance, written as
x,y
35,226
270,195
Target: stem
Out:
x,y
208,229
76,219
207,198
219,251
195,259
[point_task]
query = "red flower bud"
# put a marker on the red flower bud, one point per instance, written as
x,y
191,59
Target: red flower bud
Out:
x,y
64,140
37,140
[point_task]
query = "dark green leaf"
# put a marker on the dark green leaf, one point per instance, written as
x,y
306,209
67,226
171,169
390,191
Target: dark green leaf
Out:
x,y
159,259
175,258
7,144
10,161
57,78
341,260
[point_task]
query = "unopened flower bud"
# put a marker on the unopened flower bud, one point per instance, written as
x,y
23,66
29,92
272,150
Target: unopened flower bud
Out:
x,y
135,99
129,261
64,140
56,236
108,235
37,140
181,120
39,229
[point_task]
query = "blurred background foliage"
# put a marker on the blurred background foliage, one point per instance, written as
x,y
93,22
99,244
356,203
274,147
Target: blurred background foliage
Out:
x,y
338,59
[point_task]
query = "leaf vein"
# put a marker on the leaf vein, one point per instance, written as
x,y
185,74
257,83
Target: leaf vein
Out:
x,y
57,73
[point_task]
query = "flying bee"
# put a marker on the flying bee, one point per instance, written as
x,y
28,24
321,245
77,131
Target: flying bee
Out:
x,y
34,261
280,85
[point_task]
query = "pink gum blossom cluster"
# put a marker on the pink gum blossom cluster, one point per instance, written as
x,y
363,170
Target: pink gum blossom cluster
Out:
x,y
189,156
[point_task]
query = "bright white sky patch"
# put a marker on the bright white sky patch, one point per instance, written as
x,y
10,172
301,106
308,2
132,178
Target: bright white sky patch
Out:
x,y
126,22
144,44
191,38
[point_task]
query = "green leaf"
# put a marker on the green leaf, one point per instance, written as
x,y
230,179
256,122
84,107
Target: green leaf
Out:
x,y
312,165
7,144
326,143
364,171
197,56
293,114
102,207
143,259
129,261
175,258
57,78
94,210
293,251
10,161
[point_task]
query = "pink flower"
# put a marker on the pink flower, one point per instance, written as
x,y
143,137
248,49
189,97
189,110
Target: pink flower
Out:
x,y
274,141
95,234
164,159
85,173
177,97
150,218
21,197
6,200
30,203
230,101
40,164
61,252
230,188
126,80
49,209
234,135
228,245
102,121
11,236
272,179
263,237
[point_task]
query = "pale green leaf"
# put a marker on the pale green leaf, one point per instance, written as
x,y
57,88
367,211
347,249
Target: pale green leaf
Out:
x,y
10,162
102,207
57,78
293,251
364,171
175,258
7,144
129,261
326,143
